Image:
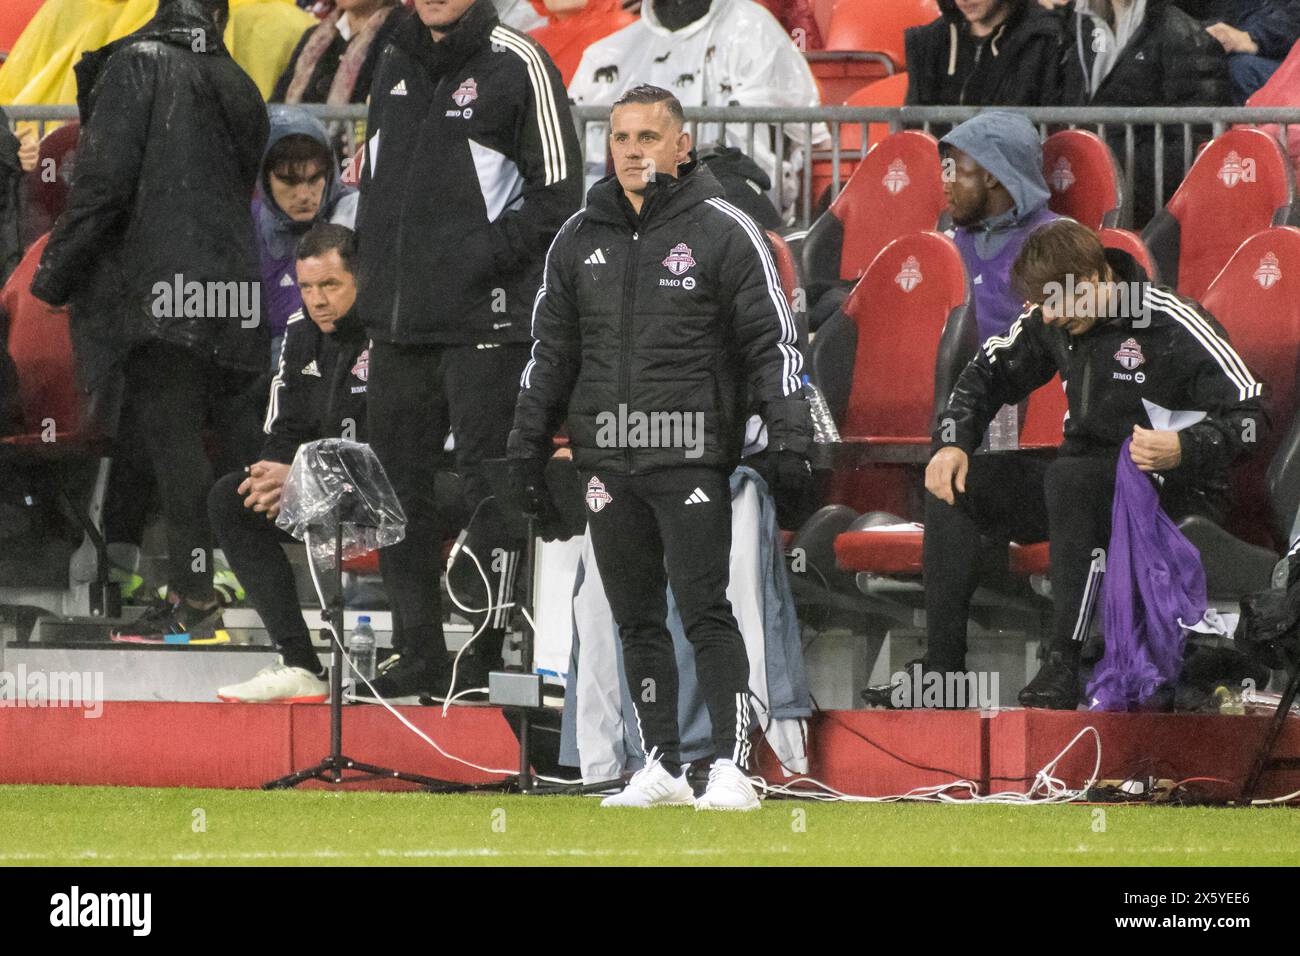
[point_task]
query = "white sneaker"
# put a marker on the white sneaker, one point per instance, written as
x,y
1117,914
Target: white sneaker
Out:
x,y
278,684
653,786
728,789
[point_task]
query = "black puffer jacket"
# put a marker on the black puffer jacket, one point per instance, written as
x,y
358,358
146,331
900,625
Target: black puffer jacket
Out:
x,y
675,317
1014,66
172,132
1169,61
471,168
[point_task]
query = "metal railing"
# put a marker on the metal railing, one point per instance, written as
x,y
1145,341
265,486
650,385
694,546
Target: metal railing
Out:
x,y
771,133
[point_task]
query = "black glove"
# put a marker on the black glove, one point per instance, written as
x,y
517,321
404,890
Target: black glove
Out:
x,y
529,477
793,473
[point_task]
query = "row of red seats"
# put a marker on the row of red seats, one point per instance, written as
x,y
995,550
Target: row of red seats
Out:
x,y
1240,184
908,327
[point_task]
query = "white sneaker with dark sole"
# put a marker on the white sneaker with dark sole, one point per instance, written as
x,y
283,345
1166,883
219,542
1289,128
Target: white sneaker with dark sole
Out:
x,y
278,684
728,789
653,786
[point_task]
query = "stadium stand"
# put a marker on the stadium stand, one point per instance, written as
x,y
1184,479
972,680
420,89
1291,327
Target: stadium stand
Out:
x,y
1240,183
1130,242
1085,179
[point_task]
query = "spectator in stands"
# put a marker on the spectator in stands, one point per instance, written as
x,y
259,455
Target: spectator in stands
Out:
x,y
984,53
298,188
575,25
993,181
1120,344
1257,35
795,16
319,392
455,220
709,53
156,206
335,59
1141,53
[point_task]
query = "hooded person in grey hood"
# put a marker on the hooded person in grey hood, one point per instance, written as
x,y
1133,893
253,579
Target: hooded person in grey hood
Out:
x,y
298,172
993,181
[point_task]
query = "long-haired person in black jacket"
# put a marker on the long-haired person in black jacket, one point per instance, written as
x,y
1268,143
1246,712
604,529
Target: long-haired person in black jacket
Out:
x,y
471,167
660,320
984,53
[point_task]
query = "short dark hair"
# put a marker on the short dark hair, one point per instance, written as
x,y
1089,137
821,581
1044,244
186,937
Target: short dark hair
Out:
x,y
1062,247
294,150
645,93
326,236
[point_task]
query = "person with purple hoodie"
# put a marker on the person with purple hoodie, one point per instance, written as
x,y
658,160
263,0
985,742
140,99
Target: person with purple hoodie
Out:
x,y
993,181
298,187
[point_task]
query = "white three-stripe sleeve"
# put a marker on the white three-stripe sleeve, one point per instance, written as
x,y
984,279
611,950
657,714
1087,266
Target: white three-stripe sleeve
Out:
x,y
547,114
1224,355
791,360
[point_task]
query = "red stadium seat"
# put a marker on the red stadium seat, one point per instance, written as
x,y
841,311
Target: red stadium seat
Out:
x,y
914,331
1131,242
898,189
1256,298
1084,178
1240,184
1043,425
864,43
888,92
14,19
878,26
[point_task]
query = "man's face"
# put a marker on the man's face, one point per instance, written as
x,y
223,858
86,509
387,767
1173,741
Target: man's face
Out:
x,y
328,289
438,15
644,140
966,187
1077,315
299,190
977,11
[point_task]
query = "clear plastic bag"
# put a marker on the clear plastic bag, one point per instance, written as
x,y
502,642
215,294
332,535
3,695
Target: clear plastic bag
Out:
x,y
335,482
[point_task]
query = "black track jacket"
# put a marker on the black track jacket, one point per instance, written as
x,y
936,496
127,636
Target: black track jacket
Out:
x,y
1172,353
471,167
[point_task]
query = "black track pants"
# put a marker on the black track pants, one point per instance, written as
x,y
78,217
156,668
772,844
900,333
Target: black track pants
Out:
x,y
673,527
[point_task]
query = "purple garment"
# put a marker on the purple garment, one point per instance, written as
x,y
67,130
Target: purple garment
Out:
x,y
1154,579
996,306
280,295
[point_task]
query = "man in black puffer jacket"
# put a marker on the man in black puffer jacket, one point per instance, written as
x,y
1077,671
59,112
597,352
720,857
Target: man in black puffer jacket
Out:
x,y
1142,53
471,168
660,310
156,255
994,53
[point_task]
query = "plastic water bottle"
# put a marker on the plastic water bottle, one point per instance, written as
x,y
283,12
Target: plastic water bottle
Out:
x,y
824,430
361,648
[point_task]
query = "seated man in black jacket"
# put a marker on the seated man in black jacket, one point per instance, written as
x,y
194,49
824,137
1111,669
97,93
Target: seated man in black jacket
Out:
x,y
1122,346
318,392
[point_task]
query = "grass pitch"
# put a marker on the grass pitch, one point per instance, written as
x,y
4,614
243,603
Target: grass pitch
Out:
x,y
61,826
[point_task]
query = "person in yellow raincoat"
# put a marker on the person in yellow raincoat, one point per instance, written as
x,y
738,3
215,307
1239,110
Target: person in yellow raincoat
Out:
x,y
260,36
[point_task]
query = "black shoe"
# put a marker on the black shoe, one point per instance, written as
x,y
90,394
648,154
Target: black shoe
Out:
x,y
412,676
906,690
1055,686
174,622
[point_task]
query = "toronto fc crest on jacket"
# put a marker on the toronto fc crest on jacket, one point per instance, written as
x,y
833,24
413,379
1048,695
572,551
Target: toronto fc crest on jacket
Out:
x,y
471,166
675,312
